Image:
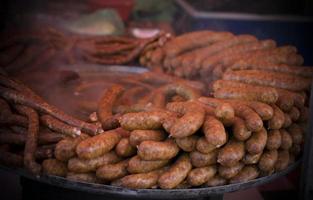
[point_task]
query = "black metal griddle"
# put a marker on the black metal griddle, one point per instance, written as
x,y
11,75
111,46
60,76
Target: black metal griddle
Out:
x,y
53,187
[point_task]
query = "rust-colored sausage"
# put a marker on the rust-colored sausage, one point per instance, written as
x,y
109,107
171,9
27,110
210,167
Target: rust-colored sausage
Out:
x,y
240,130
152,150
138,136
256,143
176,173
105,106
294,113
137,165
249,172
252,119
225,113
143,120
268,160
193,40
140,181
229,172
203,146
80,165
231,153
187,144
54,167
273,79
296,134
66,148
274,140
98,145
31,140
111,172
181,89
287,121
199,176
250,159
190,122
219,46
282,161
278,118
216,181
249,92
124,149
304,116
59,126
214,131
286,140
201,160
36,102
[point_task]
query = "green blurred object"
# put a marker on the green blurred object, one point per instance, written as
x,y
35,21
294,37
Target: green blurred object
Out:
x,y
154,10
101,22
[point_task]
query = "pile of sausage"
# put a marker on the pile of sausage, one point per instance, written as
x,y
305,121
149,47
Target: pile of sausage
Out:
x,y
41,46
174,137
30,127
167,132
207,54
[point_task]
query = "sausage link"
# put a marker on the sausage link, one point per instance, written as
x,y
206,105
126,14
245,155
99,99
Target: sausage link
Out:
x,y
66,148
59,126
98,145
190,122
104,110
191,40
249,172
80,165
273,79
268,160
229,172
240,130
140,181
176,173
124,149
54,167
187,144
137,165
138,136
257,142
199,176
152,150
282,161
203,146
216,181
294,114
111,172
250,159
296,134
286,140
277,120
214,131
274,140
31,139
231,153
143,120
201,160
287,121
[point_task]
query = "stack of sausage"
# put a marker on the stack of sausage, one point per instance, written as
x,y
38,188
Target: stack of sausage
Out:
x,y
207,54
30,127
38,47
174,137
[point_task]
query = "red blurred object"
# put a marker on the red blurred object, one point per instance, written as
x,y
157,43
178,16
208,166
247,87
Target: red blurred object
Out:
x,y
123,7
